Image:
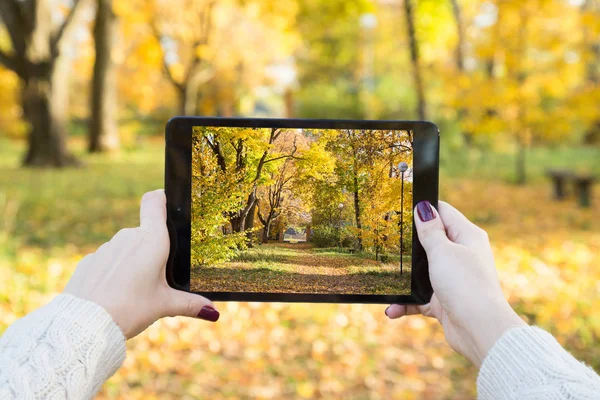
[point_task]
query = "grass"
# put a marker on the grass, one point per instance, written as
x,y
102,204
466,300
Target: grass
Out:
x,y
76,206
335,251
298,268
484,164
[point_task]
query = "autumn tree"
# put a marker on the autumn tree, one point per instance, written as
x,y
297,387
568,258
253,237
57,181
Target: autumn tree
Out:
x,y
414,58
525,82
382,222
356,152
185,34
103,130
212,52
590,17
244,152
36,57
215,195
273,197
329,68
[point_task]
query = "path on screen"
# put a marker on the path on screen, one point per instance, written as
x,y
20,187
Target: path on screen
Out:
x,y
299,268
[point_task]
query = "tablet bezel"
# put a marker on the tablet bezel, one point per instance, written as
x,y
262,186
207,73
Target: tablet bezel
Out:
x,y
178,165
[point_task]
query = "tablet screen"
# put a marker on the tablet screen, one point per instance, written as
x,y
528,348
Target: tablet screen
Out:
x,y
306,211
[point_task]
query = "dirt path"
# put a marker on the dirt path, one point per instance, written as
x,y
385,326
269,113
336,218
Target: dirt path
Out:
x,y
298,268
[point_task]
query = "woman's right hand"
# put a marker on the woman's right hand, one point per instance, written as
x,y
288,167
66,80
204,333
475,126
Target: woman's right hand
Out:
x,y
467,299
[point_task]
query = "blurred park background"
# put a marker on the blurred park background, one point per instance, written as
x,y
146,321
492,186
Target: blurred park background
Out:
x,y
87,86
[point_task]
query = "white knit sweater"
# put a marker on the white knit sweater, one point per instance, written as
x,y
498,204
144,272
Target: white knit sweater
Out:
x,y
64,350
528,363
67,349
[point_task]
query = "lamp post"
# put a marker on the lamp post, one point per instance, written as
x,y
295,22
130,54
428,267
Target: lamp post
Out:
x,y
340,207
402,167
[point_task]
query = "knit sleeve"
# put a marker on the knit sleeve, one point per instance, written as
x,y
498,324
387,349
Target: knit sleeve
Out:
x,y
528,363
64,350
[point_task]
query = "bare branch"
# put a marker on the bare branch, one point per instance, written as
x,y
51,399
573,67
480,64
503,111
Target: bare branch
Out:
x,y
216,148
260,217
205,28
16,24
60,34
400,146
291,155
285,156
165,66
275,132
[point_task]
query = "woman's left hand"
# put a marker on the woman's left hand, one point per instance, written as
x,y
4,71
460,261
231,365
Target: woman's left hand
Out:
x,y
126,276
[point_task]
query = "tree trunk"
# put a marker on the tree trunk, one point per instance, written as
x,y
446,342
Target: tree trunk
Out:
x,y
44,98
288,98
521,171
460,62
249,223
236,224
182,99
267,228
592,136
460,45
523,134
414,56
238,221
188,97
46,142
103,127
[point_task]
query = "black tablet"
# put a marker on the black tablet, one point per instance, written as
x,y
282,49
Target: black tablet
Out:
x,y
292,210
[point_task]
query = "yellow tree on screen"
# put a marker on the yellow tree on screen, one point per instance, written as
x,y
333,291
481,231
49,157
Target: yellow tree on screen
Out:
x,y
384,214
364,159
215,194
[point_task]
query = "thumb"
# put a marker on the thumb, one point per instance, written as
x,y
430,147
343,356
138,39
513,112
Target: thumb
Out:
x,y
191,305
153,211
430,227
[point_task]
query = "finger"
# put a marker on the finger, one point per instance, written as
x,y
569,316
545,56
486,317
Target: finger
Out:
x,y
458,228
430,227
153,211
399,310
191,305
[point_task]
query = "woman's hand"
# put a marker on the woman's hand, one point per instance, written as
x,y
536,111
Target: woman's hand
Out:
x,y
126,276
467,299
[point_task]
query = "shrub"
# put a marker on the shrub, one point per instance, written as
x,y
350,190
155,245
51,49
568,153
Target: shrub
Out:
x,y
325,236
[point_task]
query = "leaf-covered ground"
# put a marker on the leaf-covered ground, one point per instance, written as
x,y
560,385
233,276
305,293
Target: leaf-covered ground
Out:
x,y
298,268
547,256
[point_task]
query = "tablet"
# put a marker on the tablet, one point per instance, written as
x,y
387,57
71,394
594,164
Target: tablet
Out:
x,y
293,210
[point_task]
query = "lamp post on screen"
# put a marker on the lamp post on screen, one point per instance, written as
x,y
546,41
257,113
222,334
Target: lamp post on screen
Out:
x,y
402,167
340,207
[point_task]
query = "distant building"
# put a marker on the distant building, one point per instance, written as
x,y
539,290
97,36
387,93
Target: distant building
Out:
x,y
293,235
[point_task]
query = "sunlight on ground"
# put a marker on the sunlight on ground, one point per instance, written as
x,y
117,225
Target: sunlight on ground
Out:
x,y
298,268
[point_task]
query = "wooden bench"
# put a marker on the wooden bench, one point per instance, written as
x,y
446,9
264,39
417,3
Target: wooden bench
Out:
x,y
583,187
582,183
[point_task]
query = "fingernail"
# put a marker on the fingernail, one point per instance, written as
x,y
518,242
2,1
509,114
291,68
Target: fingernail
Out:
x,y
386,310
208,313
425,211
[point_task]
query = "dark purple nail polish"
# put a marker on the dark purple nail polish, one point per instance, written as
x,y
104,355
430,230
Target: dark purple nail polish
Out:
x,y
425,211
208,313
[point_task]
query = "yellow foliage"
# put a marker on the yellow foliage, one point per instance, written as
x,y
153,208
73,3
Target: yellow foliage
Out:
x,y
11,123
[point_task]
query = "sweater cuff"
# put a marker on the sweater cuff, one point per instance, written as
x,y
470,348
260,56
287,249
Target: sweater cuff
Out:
x,y
519,361
87,322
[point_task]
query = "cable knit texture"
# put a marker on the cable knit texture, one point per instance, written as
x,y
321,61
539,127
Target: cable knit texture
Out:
x,y
528,363
64,350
